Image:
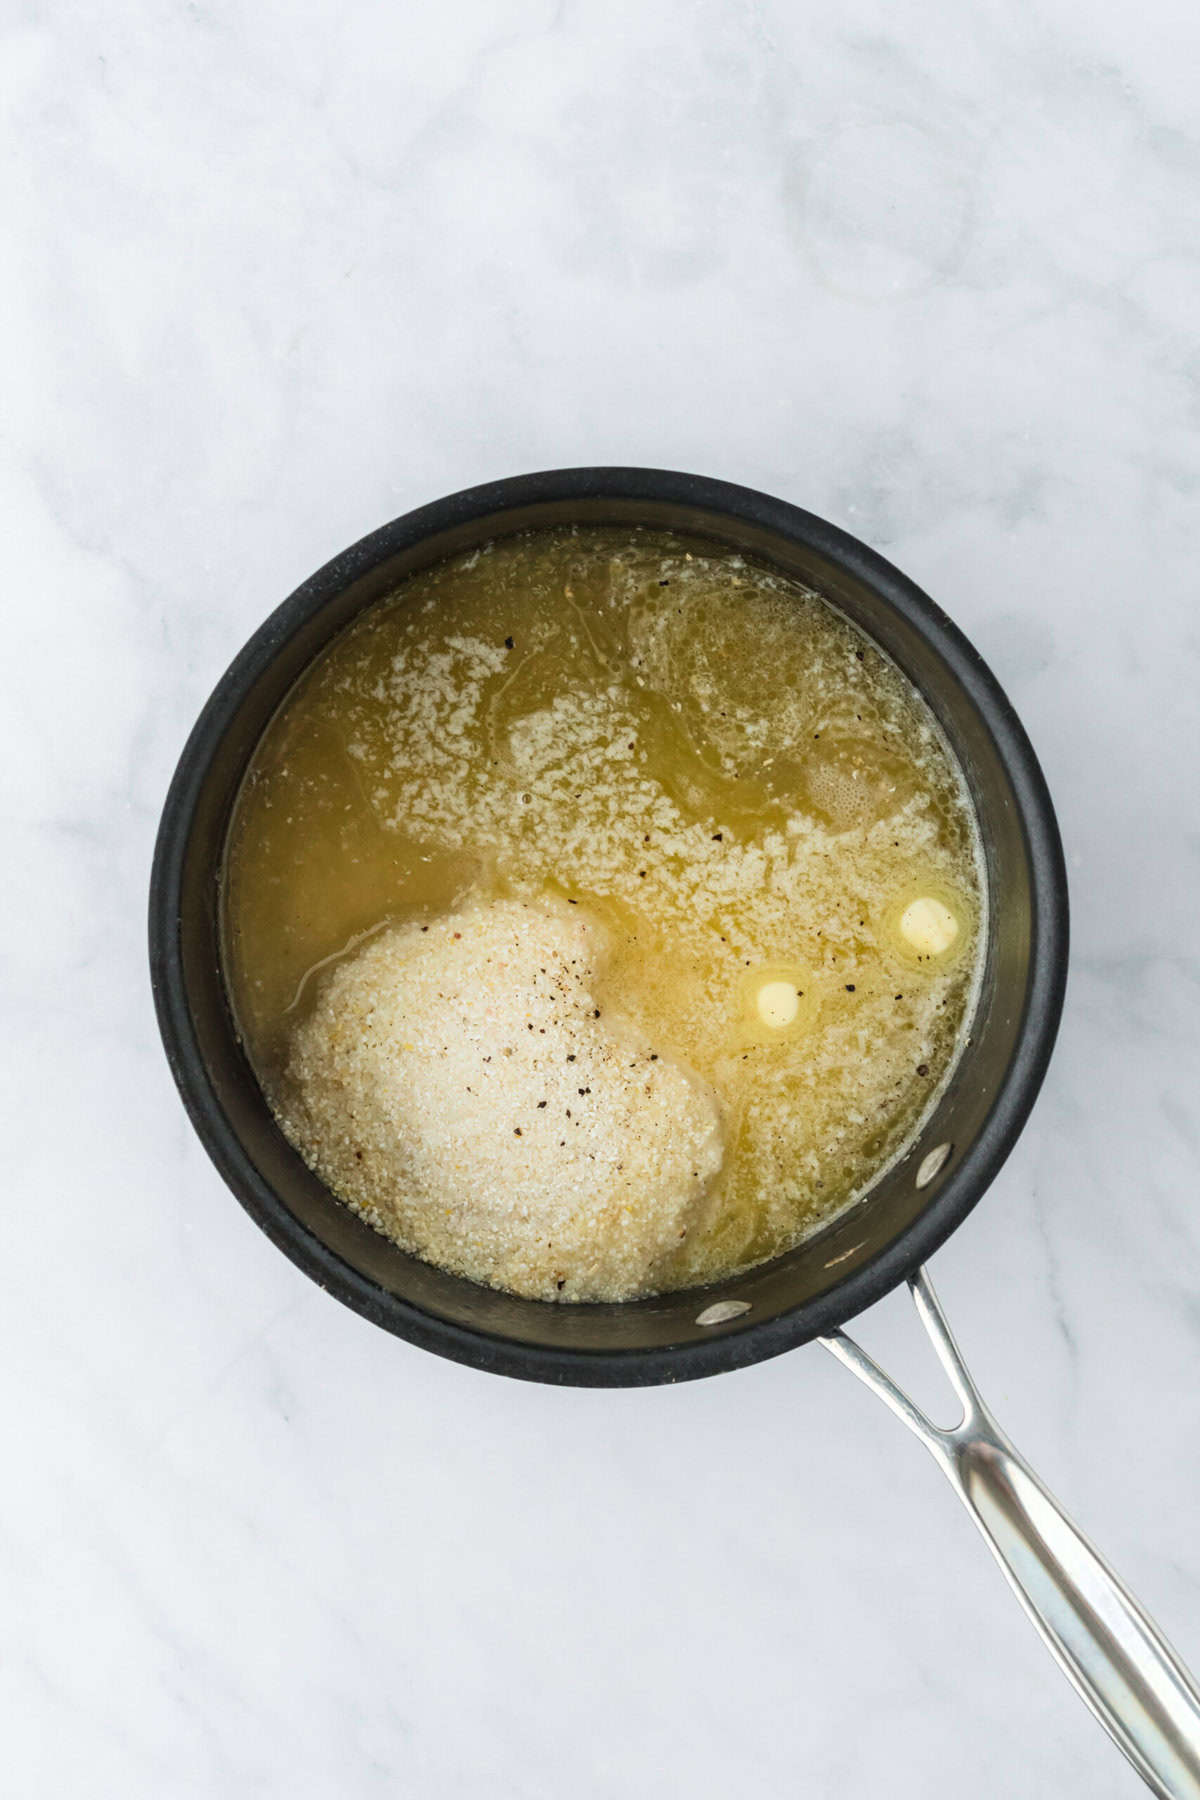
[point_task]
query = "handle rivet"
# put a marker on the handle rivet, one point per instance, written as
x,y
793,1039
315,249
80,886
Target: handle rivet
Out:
x,y
933,1164
722,1311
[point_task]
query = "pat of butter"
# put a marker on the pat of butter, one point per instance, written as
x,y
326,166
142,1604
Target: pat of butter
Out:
x,y
928,927
777,1004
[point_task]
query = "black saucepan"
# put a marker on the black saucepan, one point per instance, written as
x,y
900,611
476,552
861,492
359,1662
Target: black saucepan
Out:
x,y
797,1297
1106,1645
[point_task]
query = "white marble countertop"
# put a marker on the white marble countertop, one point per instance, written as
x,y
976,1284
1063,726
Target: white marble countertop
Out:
x,y
278,273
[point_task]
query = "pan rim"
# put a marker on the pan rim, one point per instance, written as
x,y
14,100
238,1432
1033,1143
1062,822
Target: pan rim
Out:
x,y
745,1341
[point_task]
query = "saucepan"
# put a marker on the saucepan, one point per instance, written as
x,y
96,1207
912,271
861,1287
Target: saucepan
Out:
x,y
1112,1653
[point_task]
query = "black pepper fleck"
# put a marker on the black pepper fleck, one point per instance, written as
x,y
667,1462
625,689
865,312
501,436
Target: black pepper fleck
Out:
x,y
508,643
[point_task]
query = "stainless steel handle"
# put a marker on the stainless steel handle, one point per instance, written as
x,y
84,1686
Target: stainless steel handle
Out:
x,y
1114,1655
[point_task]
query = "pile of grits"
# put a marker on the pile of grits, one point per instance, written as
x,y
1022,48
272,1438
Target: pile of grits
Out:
x,y
463,1087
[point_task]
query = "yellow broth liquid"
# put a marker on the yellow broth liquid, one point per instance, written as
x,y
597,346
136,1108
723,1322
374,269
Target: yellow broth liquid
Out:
x,y
701,752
